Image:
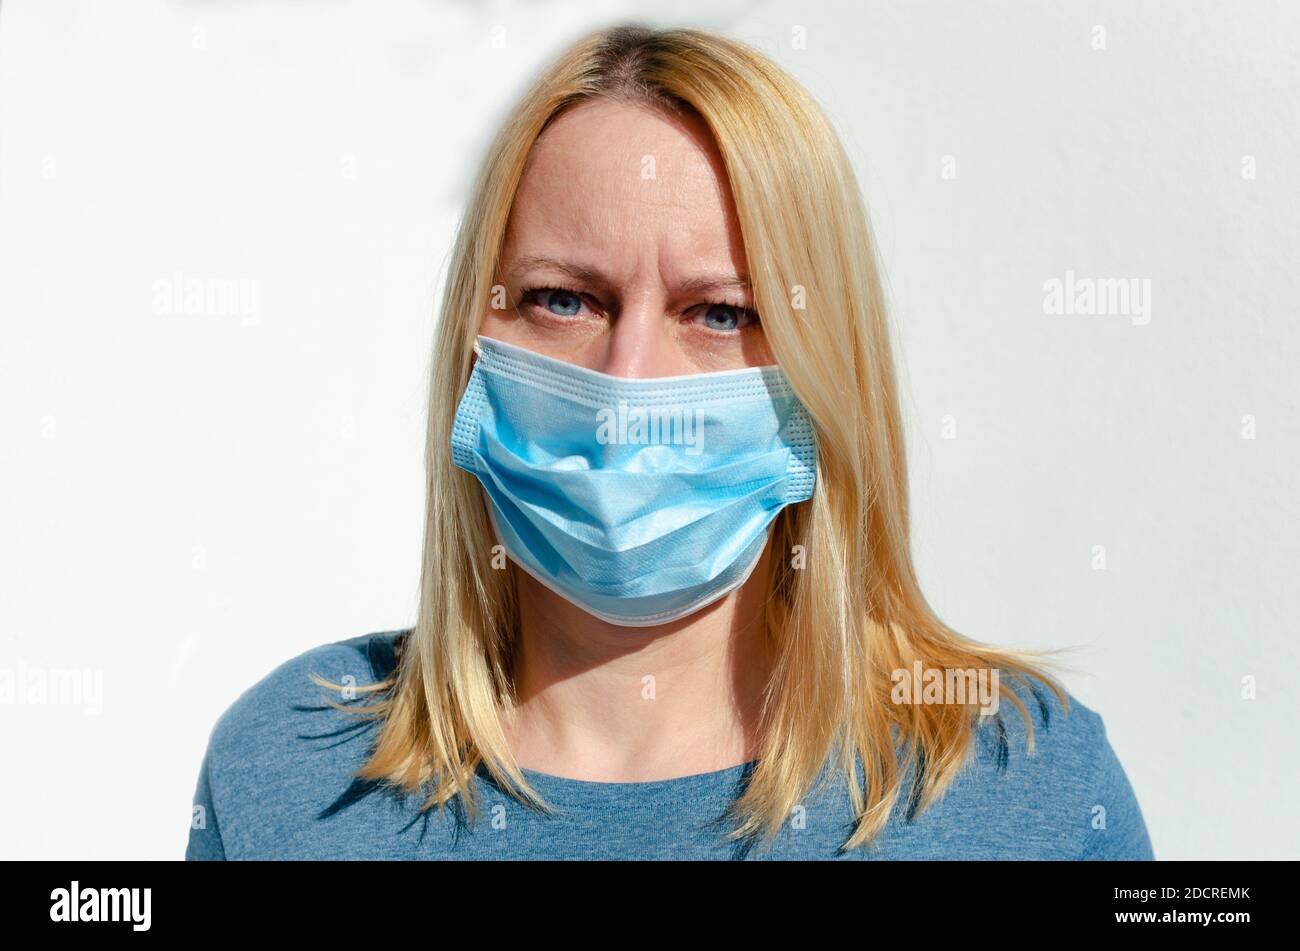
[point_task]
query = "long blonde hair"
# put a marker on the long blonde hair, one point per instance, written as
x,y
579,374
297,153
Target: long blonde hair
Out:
x,y
843,616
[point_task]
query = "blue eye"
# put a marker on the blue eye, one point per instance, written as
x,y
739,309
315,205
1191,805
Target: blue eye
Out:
x,y
727,317
718,316
560,302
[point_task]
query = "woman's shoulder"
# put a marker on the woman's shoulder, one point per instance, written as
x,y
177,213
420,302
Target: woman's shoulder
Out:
x,y
289,692
280,748
1064,731
1048,768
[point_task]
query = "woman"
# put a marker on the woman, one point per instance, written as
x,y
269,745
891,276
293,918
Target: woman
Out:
x,y
668,608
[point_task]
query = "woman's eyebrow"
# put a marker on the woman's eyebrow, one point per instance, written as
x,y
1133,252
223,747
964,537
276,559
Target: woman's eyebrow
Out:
x,y
578,272
704,284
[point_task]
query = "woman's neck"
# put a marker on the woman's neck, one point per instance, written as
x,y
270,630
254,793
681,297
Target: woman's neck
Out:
x,y
605,703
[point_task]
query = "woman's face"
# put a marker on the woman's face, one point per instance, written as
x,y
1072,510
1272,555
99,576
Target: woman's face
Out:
x,y
623,253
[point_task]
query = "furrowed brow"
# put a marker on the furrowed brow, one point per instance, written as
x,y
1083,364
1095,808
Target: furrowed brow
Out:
x,y
694,285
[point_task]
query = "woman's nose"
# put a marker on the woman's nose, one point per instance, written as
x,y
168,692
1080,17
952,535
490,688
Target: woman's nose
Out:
x,y
642,345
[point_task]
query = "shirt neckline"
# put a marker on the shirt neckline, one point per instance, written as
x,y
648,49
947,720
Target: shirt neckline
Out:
x,y
715,784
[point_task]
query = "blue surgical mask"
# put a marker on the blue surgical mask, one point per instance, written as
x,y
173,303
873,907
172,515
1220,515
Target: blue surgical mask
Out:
x,y
639,500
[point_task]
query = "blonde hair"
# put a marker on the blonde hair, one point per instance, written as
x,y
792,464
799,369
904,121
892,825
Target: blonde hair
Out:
x,y
840,624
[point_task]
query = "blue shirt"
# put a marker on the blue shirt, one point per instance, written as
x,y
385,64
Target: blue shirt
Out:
x,y
276,783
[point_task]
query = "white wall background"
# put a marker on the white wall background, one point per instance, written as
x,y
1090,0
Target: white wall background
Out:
x,y
187,500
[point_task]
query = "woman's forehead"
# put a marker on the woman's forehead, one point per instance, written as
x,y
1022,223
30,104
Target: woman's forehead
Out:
x,y
609,175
